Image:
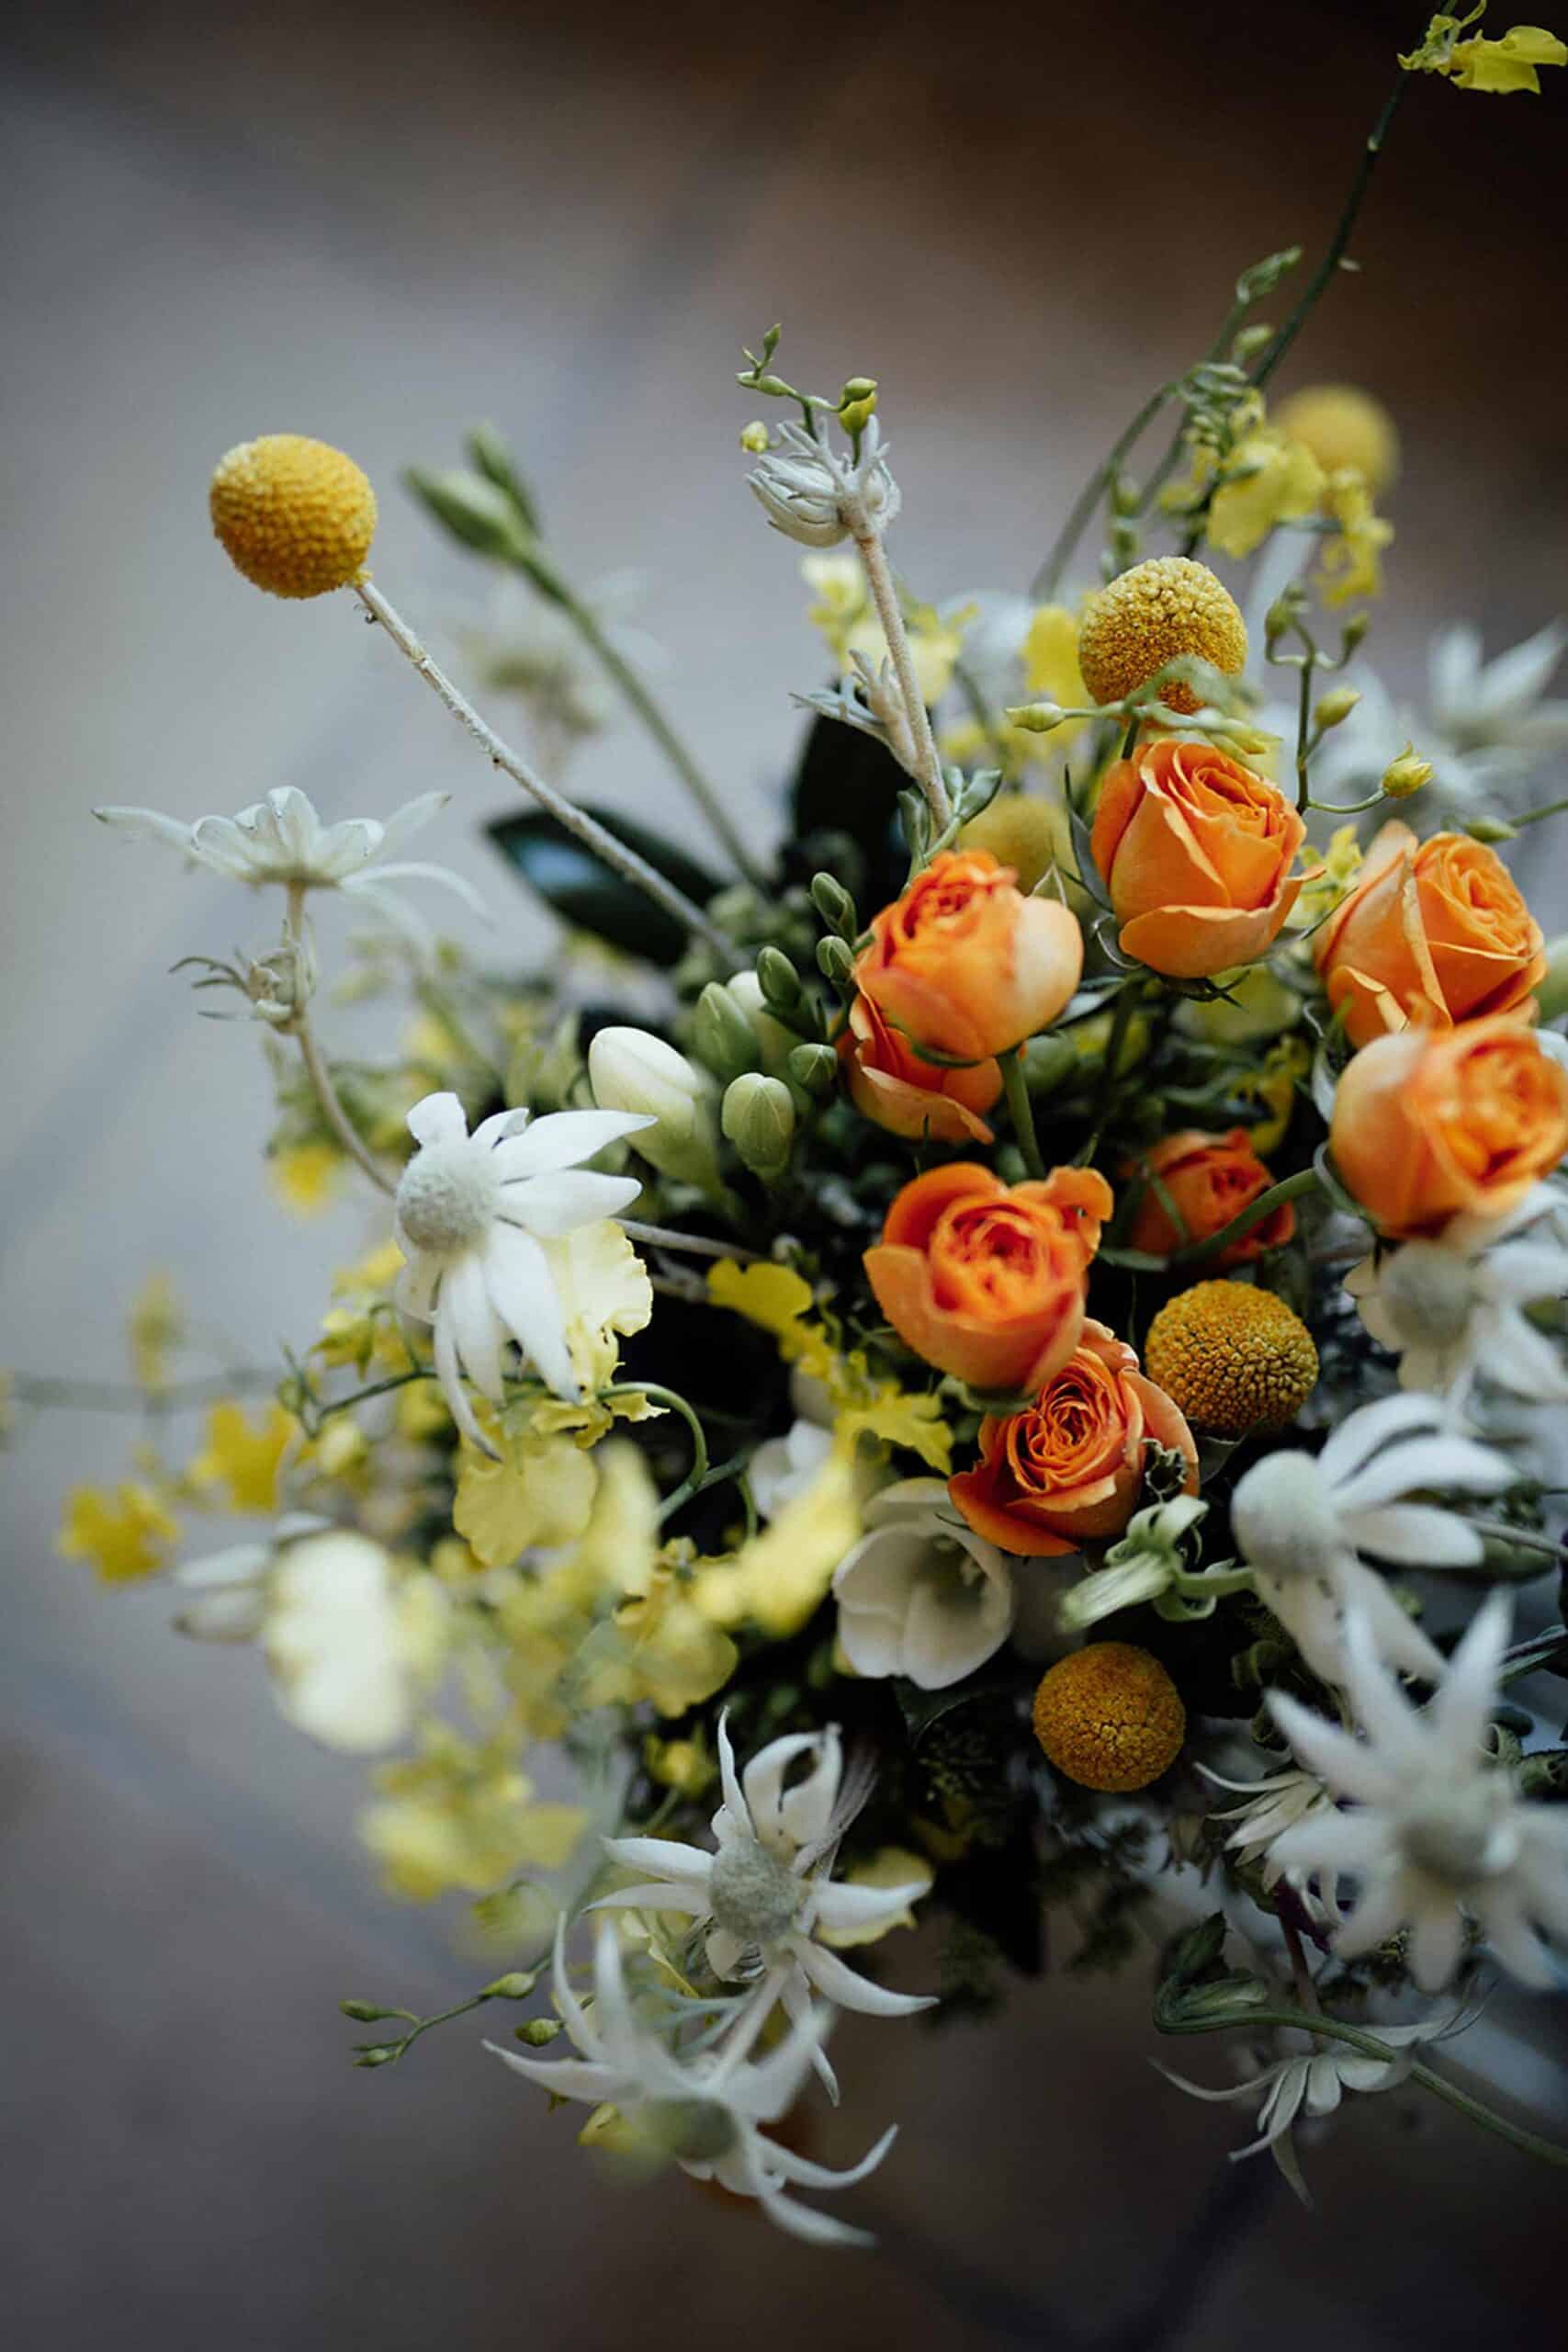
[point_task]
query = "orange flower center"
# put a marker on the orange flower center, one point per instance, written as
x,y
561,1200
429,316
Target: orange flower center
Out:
x,y
995,1257
1063,1439
1499,1105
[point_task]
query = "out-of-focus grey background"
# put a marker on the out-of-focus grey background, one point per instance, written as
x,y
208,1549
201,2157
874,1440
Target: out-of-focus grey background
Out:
x,y
375,224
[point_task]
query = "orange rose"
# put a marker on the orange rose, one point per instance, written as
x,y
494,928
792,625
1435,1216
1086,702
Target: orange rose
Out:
x,y
1208,1180
889,1083
1430,1122
986,1280
1434,932
964,963
1072,1465
1196,853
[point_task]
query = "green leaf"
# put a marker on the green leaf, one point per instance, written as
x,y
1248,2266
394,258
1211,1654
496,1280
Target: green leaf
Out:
x,y
587,894
848,783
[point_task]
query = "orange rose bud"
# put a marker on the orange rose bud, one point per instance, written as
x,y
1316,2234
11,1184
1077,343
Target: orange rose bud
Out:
x,y
1072,1465
1208,1180
1434,932
890,1084
1196,854
964,963
986,1280
1430,1123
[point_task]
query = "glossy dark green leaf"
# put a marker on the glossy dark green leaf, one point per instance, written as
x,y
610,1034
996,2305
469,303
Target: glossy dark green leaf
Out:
x,y
587,894
848,783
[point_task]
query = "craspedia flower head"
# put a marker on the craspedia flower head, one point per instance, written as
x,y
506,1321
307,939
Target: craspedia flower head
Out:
x,y
1232,1358
1343,426
1144,617
294,515
1110,1717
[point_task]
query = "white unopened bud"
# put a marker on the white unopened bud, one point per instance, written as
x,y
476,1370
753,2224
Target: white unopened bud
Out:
x,y
817,498
775,1041
758,1119
630,1070
1283,1518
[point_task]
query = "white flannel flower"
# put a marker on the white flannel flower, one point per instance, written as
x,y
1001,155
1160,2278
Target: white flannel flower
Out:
x,y
1437,1832
348,1645
282,840
814,496
1452,1309
475,1214
922,1594
706,2108
1301,1522
766,1893
1311,2080
1275,1802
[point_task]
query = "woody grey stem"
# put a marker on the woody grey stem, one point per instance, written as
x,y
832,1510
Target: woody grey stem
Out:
x,y
885,596
594,836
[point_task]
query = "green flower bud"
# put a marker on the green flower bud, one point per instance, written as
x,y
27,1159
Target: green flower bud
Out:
x,y
858,387
1491,830
515,1985
473,510
835,961
725,1038
754,436
1408,773
1279,619
758,1116
835,906
380,2053
782,985
630,1070
1047,1061
1250,341
775,1041
1036,717
1335,709
856,415
536,2031
814,1069
366,2012
1552,994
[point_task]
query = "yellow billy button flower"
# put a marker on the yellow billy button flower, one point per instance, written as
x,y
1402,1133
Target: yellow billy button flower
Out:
x,y
1234,1358
1148,616
294,515
1110,1717
1343,426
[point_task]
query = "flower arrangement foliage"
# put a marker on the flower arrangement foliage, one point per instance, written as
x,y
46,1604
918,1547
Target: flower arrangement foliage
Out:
x,y
933,1358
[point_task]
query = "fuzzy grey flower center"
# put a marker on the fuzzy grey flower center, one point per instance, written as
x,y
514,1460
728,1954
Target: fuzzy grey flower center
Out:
x,y
754,1897
1283,1519
447,1197
693,2131
1430,1292
1462,1837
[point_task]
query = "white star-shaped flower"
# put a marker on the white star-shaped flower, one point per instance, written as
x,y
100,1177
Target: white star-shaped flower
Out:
x,y
475,1214
1452,1309
769,1887
1436,1833
706,2108
282,840
1301,1522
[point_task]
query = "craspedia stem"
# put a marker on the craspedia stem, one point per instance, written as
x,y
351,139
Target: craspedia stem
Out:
x,y
574,820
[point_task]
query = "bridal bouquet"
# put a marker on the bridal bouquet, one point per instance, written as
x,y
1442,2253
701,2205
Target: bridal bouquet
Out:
x,y
980,1367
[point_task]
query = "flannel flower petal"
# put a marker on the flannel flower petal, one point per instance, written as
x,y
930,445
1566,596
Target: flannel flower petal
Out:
x,y
282,840
1435,1834
477,1216
707,2108
1301,1522
763,1896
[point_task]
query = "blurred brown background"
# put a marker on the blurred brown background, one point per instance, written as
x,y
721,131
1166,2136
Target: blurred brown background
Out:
x,y
375,224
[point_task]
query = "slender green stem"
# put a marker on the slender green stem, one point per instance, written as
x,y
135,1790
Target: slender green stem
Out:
x,y
1021,1112
1346,808
1534,816
605,847
310,1054
677,1404
1120,1020
42,1391
637,696
1321,275
1047,579
1290,1188
696,1245
1333,2030
1303,728
1525,1538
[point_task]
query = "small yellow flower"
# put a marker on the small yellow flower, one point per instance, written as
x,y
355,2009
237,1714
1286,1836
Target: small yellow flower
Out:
x,y
1499,67
1232,1358
1051,672
541,1491
1323,891
1343,426
1267,479
1110,1717
683,1765
306,1176
155,1330
1351,562
244,1460
126,1535
778,1300
462,1816
296,517
779,1579
1275,1087
1148,616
